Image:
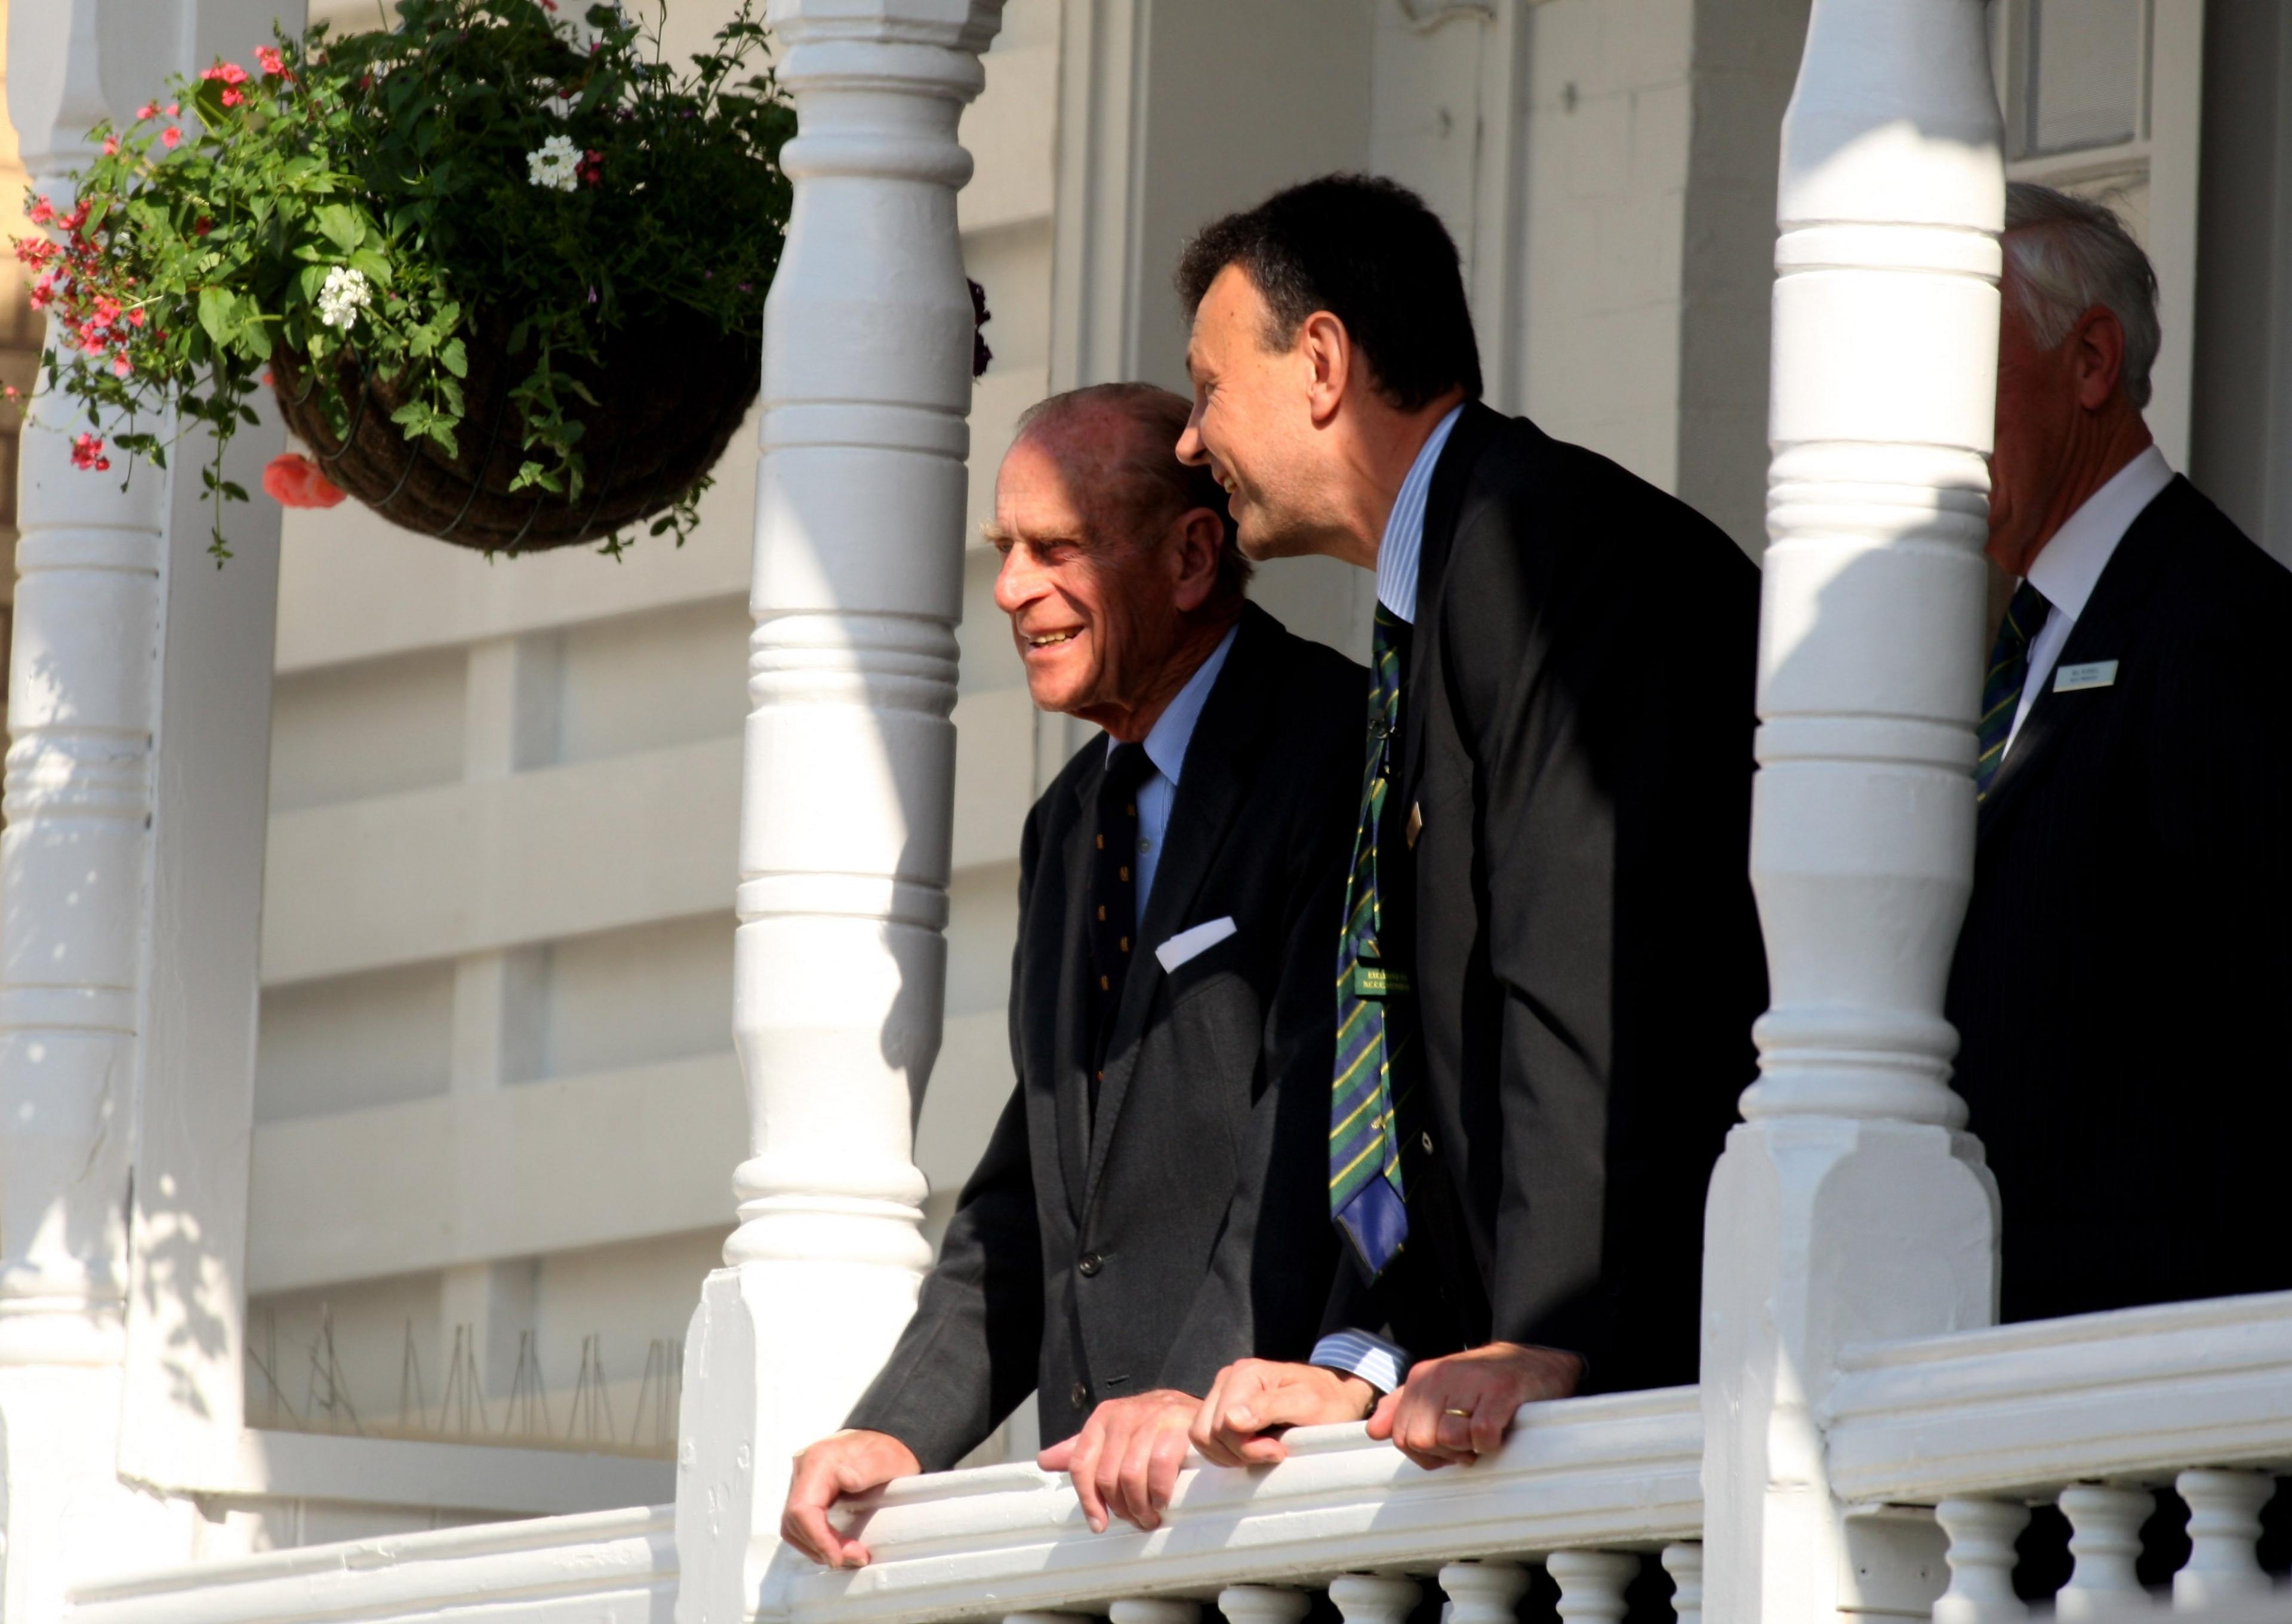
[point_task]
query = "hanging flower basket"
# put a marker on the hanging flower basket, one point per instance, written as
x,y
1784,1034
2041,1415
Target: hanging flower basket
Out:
x,y
502,267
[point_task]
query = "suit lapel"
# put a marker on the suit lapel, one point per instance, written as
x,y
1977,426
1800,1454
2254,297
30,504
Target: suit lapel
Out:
x,y
1211,787
2105,631
1071,1046
1443,503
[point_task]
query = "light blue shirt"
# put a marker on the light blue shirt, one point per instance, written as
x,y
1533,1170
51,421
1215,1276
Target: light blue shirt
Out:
x,y
1165,746
1397,554
1358,1353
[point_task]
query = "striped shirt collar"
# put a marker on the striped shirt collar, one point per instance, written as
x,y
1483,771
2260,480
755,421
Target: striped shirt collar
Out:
x,y
1403,545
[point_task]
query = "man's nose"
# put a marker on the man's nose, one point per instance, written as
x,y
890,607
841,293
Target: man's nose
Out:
x,y
1017,582
1190,450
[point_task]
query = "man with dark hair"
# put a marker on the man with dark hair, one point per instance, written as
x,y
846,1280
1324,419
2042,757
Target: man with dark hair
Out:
x,y
1148,1208
1551,960
2119,978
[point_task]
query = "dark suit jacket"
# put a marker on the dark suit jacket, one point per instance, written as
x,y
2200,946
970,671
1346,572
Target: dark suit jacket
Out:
x,y
2124,975
1188,1226
1576,738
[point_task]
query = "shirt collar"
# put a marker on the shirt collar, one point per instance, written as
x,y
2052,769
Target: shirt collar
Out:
x,y
2069,565
1404,528
1173,731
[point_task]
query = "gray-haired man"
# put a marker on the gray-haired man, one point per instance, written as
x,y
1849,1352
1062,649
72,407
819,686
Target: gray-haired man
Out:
x,y
2120,979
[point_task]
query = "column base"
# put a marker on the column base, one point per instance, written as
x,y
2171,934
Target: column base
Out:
x,y
1837,1232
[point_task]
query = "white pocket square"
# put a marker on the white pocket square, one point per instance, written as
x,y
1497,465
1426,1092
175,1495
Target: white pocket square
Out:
x,y
1196,938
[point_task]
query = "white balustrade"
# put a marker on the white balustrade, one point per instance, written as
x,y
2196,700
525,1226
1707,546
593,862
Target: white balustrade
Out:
x,y
2224,1532
2105,1539
1366,1598
839,961
1684,1563
1482,1592
1981,1534
1155,1610
1848,1208
1591,1583
1262,1605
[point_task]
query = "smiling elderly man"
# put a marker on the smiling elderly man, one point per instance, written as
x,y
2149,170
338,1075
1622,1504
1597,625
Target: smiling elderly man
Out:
x,y
1149,1208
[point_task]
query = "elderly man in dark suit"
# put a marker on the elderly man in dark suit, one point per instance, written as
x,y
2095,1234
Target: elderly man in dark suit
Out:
x,y
2122,977
1550,961
1150,1206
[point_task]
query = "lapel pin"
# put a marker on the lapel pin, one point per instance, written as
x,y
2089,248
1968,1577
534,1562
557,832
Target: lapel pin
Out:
x,y
2092,673
1416,823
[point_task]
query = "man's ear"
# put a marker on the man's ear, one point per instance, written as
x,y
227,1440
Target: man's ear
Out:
x,y
1200,545
1327,349
2097,355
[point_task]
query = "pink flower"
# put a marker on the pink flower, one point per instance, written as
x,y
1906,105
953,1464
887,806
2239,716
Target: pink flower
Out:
x,y
293,481
232,98
149,109
87,452
267,58
171,138
111,145
135,317
174,108
121,365
43,211
229,73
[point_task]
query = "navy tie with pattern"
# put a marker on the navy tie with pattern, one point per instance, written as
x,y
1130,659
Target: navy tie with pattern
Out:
x,y
2001,690
1113,895
1366,1193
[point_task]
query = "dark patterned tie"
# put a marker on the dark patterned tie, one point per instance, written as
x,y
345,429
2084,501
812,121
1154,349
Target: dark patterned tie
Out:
x,y
2001,690
1366,1194
1113,895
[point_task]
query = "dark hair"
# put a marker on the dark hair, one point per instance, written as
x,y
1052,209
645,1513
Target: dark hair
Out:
x,y
1148,484
1368,252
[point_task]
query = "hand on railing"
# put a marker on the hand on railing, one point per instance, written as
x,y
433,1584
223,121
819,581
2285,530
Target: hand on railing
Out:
x,y
1234,1426
1126,1460
842,1463
1452,1410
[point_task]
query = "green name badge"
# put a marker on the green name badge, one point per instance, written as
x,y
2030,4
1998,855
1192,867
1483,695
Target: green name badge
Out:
x,y
1376,981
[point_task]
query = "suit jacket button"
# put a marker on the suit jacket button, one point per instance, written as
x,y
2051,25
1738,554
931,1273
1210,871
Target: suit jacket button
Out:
x,y
1089,1263
1079,1396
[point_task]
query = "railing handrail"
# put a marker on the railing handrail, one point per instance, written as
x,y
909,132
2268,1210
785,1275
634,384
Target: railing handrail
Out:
x,y
2136,1393
1615,1471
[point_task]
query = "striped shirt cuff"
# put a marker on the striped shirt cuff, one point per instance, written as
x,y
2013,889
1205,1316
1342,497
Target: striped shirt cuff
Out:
x,y
1380,1363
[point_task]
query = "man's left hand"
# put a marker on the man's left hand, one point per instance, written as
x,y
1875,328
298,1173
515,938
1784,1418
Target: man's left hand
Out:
x,y
1453,1410
1124,1460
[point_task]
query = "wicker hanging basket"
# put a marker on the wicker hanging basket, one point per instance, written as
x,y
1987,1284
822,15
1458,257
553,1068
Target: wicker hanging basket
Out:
x,y
669,399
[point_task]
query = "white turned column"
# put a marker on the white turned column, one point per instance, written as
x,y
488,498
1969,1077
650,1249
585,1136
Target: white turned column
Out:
x,y
1684,1563
2105,1539
1262,1605
1591,1583
2224,1532
1981,1535
839,963
1155,1610
1482,1592
1848,1207
1364,1598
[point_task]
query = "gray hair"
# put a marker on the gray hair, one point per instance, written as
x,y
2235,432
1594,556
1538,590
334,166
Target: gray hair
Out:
x,y
2069,254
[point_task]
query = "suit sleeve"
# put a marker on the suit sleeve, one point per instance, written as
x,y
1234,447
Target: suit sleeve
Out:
x,y
1597,689
1283,1189
972,1350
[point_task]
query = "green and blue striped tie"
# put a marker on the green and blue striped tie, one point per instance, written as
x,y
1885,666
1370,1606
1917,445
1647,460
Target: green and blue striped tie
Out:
x,y
1366,1194
2001,690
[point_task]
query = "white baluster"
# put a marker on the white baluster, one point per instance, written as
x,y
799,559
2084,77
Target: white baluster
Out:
x,y
1981,1535
1365,1598
2105,1538
1482,1592
2223,1528
1155,1610
839,963
1684,1563
1262,1605
1592,1583
1890,196
1046,1618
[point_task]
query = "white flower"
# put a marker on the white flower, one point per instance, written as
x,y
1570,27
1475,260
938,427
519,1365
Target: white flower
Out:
x,y
555,164
343,297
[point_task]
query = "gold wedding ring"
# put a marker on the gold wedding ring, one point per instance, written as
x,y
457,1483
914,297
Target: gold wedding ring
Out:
x,y
1465,1413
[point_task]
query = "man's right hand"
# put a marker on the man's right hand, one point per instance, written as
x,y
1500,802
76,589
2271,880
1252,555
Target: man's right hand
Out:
x,y
1252,1395
840,1464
